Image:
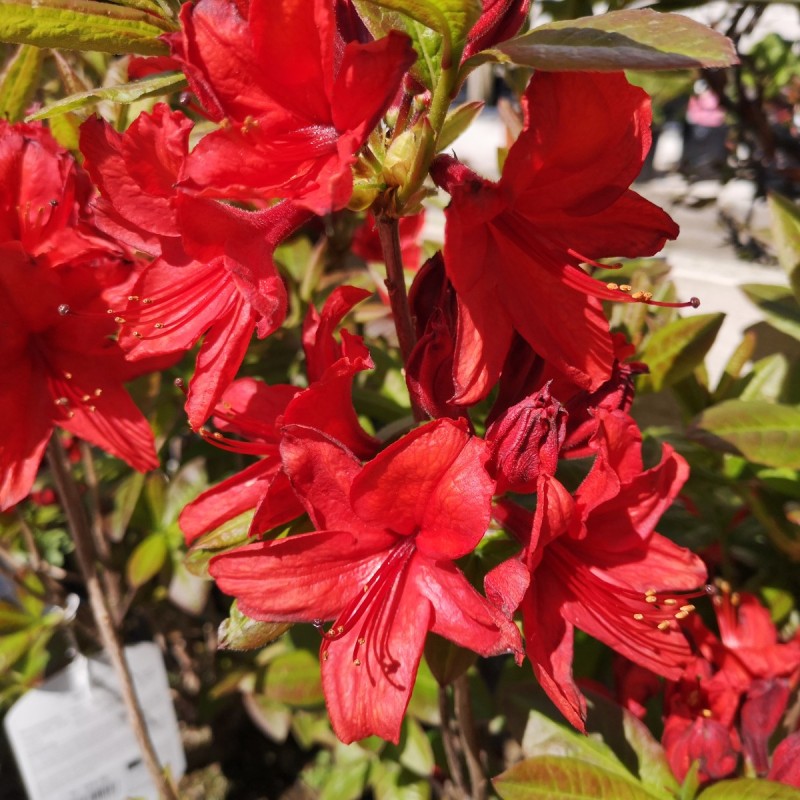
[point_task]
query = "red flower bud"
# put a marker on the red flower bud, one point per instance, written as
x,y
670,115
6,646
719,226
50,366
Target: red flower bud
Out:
x,y
525,442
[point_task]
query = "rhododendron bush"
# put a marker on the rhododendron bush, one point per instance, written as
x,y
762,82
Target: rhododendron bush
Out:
x,y
412,490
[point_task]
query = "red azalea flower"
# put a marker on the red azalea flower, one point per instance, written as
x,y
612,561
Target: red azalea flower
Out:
x,y
214,277
60,366
512,249
594,562
295,103
257,412
380,565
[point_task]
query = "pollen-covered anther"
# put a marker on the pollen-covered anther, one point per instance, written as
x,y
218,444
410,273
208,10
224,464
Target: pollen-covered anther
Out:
x,y
98,392
612,286
688,608
681,614
159,325
137,335
147,301
86,398
625,287
650,598
119,320
92,408
638,617
670,601
249,123
217,435
63,309
356,662
68,376
62,401
362,640
110,311
133,297
707,713
663,625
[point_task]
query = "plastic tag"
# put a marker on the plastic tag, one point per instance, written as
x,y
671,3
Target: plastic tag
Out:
x,y
71,735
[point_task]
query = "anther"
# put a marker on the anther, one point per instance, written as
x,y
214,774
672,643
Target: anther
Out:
x,y
86,398
637,296
356,662
62,401
706,712
110,311
625,287
147,301
63,309
651,598
92,408
663,625
681,614
670,601
98,392
133,297
137,335
638,617
68,376
54,203
688,608
159,325
217,435
119,320
325,656
362,640
612,286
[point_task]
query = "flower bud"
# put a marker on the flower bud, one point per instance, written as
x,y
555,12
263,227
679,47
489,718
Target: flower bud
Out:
x,y
526,441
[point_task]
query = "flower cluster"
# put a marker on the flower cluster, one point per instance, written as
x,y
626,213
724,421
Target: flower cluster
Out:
x,y
511,366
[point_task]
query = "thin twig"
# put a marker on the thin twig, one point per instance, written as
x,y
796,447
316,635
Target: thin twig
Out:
x,y
99,538
82,539
469,738
449,741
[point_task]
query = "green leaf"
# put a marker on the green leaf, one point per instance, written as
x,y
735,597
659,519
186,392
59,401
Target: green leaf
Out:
x,y
240,632
123,93
544,737
416,753
437,28
632,743
147,559
750,789
766,433
229,534
554,778
631,39
345,781
83,25
293,678
766,380
676,350
126,497
777,304
19,81
457,121
786,236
